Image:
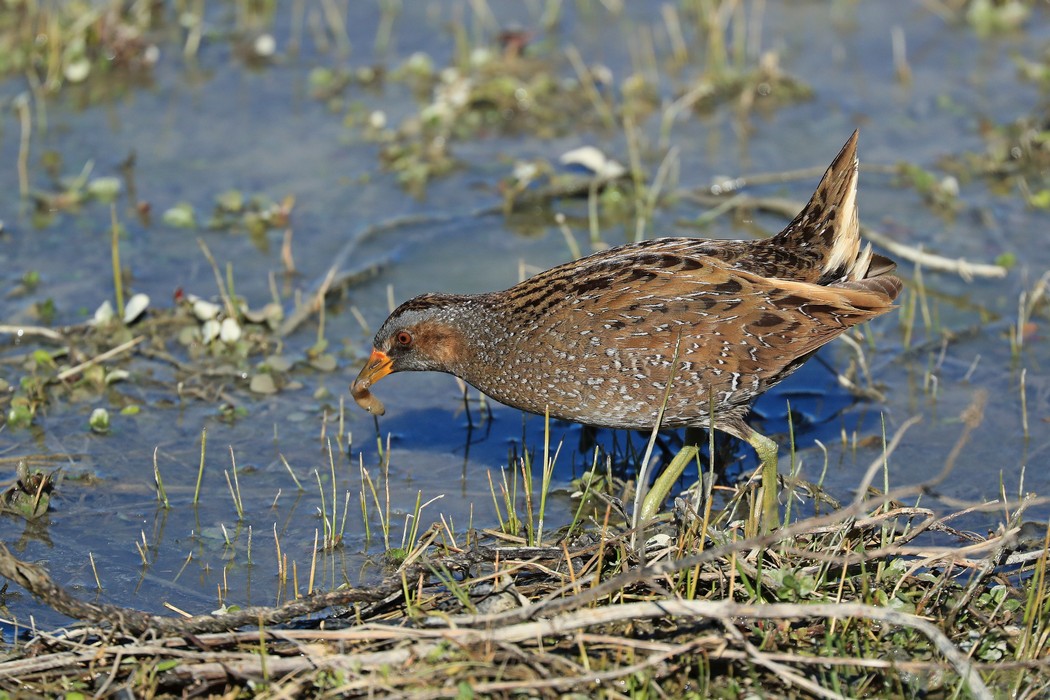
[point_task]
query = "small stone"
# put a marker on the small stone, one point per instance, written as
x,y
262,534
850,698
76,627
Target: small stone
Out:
x,y
103,314
229,331
205,310
278,363
210,330
590,158
324,363
77,71
263,383
265,45
135,308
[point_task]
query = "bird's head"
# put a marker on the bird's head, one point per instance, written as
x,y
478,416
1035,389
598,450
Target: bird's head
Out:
x,y
426,333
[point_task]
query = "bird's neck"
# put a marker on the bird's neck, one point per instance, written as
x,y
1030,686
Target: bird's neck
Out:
x,y
488,338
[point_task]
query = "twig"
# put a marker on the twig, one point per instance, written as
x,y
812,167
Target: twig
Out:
x,y
231,310
32,330
22,107
788,207
725,610
583,74
778,669
123,347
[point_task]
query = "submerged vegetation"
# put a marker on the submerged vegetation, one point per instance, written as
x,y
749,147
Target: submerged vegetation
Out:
x,y
546,590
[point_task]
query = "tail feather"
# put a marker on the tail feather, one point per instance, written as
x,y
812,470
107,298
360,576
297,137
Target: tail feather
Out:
x,y
843,236
829,225
879,265
888,286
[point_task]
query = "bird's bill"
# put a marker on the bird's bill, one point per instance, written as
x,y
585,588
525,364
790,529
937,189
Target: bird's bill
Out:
x,y
378,366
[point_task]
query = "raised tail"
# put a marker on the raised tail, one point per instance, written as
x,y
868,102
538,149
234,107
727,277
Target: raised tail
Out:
x,y
826,233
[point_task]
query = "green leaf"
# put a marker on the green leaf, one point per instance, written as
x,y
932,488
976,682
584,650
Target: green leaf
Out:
x,y
104,188
99,420
231,201
181,215
1040,199
1007,260
19,416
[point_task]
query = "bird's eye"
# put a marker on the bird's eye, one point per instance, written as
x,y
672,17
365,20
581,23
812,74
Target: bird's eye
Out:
x,y
403,338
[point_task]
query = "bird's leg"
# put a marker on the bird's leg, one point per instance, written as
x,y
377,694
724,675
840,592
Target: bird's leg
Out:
x,y
767,454
662,486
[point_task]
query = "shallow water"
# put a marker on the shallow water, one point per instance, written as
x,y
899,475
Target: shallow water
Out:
x,y
198,130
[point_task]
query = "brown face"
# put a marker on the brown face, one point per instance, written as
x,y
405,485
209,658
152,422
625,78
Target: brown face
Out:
x,y
416,337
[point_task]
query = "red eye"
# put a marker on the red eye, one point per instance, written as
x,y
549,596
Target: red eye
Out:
x,y
404,338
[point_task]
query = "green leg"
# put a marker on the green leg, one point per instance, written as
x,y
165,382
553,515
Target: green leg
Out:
x,y
662,486
767,454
